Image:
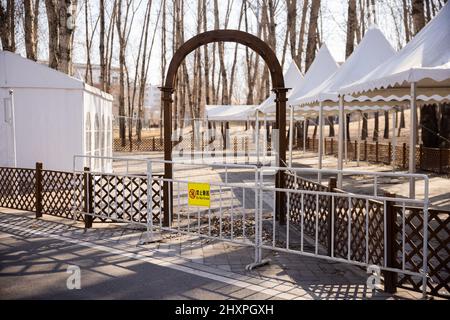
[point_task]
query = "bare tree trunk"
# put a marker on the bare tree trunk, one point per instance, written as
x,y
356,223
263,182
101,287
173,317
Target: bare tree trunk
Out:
x,y
121,73
223,71
102,45
233,67
351,27
53,33
248,60
312,34
301,36
30,25
291,26
7,25
66,36
205,54
163,62
418,15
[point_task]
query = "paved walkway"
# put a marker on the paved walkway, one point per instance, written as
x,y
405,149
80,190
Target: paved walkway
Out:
x,y
34,255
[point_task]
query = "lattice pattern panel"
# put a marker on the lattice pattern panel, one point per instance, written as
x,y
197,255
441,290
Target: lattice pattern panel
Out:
x,y
361,214
62,194
309,207
125,198
438,249
17,188
435,160
146,144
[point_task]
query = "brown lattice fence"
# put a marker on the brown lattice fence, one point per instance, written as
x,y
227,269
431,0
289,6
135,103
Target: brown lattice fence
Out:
x,y
17,188
427,159
125,198
438,248
59,193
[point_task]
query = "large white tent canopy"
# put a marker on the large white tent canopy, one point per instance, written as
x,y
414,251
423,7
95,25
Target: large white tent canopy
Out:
x,y
420,71
322,68
425,60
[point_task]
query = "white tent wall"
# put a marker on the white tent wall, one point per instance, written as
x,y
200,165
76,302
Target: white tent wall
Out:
x,y
50,116
97,128
47,127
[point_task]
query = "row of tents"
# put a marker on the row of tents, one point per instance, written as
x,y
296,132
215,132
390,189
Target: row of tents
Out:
x,y
373,78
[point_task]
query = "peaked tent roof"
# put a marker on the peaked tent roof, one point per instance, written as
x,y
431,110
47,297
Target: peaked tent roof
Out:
x,y
425,57
373,50
19,72
322,68
292,78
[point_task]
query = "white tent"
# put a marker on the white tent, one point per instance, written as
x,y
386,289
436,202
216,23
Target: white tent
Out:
x,y
49,117
229,112
322,68
425,60
418,72
292,79
373,50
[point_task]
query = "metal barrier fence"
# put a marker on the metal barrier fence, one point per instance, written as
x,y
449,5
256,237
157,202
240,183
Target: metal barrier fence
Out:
x,y
345,227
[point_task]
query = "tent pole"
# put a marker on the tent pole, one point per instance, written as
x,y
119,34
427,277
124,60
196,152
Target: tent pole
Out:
x,y
265,138
340,139
304,135
394,138
345,139
257,136
358,150
412,140
291,134
319,151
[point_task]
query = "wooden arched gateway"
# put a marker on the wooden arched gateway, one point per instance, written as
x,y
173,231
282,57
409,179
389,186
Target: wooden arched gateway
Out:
x,y
276,73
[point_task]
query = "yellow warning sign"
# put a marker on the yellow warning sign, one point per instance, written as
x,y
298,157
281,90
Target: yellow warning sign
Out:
x,y
199,194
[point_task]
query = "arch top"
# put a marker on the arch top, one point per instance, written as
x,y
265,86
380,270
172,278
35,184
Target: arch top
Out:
x,y
221,35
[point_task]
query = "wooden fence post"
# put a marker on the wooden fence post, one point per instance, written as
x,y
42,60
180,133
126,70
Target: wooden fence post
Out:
x,y
389,153
441,161
332,146
390,278
331,186
153,144
38,189
376,152
404,155
365,150
88,198
235,149
246,149
355,151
